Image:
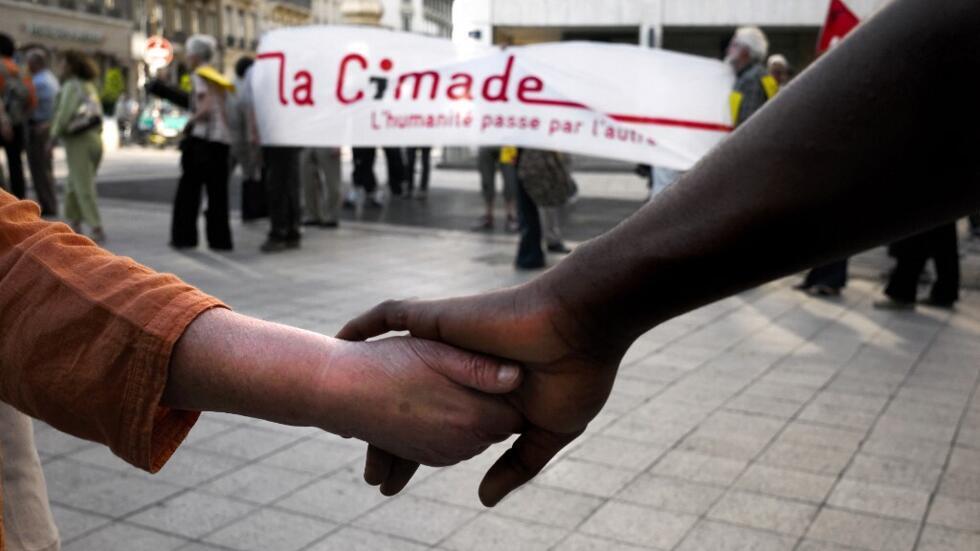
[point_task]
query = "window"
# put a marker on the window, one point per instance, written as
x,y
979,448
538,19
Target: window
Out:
x,y
229,29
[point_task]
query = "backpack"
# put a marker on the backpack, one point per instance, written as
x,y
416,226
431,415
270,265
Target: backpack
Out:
x,y
544,177
19,97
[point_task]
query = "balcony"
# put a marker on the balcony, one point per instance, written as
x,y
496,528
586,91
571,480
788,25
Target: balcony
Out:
x,y
302,5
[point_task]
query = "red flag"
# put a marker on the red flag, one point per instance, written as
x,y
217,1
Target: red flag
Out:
x,y
840,21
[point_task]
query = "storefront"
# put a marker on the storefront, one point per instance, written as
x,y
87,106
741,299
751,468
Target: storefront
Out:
x,y
107,39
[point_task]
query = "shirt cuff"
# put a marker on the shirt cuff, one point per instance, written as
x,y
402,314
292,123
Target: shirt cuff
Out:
x,y
153,432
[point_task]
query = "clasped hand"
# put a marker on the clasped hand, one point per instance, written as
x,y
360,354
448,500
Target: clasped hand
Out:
x,y
567,379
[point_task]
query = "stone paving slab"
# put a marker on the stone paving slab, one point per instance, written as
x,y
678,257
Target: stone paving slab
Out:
x,y
769,420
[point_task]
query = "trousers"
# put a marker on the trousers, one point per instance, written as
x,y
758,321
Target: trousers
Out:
x,y
321,183
204,164
27,520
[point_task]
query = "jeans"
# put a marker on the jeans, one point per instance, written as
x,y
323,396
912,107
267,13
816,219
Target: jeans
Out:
x,y
530,255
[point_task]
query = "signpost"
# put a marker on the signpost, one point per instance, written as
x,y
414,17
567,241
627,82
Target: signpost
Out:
x,y
158,53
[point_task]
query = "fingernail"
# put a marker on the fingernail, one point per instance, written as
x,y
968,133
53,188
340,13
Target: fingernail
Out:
x,y
508,374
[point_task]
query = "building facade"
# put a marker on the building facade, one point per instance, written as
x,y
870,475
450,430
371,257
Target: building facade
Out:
x,y
100,28
701,27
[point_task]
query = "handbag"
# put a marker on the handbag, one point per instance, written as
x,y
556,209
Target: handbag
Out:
x,y
545,177
87,117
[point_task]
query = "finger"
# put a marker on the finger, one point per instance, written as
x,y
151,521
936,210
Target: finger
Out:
x,y
522,462
402,471
471,370
377,465
388,316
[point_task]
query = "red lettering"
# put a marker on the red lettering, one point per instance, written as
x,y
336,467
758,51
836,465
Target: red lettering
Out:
x,y
503,79
465,84
536,85
342,78
417,77
304,85
281,57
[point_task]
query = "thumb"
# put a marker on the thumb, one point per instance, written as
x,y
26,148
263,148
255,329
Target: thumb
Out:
x,y
474,371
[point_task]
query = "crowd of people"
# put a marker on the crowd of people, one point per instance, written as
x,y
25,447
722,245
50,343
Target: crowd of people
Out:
x,y
297,187
128,357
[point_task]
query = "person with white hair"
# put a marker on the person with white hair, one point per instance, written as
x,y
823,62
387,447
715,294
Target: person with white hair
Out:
x,y
204,158
754,86
779,69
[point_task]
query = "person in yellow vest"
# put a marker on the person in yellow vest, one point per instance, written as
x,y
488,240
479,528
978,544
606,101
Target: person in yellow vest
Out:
x,y
779,69
754,86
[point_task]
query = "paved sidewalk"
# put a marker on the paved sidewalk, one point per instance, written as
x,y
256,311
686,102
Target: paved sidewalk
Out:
x,y
767,421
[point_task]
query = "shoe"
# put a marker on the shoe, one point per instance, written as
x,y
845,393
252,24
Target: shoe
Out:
x,y
311,222
273,246
532,266
373,203
512,225
293,243
98,236
181,247
328,225
802,287
349,204
821,290
486,224
221,248
938,304
421,195
76,226
558,248
889,303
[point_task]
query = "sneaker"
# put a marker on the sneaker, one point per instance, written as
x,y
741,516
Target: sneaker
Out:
x,y
273,246
558,248
98,236
485,224
938,303
826,291
889,303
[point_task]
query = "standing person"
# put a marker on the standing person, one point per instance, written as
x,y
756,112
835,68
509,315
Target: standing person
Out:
x,y
753,85
420,192
488,159
77,123
282,182
39,132
941,245
543,181
321,171
19,99
363,178
244,149
396,169
204,155
779,69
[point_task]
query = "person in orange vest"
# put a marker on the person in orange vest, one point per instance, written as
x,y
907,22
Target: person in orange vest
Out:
x,y
754,86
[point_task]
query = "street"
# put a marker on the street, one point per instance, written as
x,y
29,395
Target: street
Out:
x,y
769,420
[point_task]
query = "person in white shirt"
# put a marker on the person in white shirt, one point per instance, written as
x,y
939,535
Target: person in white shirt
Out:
x,y
204,158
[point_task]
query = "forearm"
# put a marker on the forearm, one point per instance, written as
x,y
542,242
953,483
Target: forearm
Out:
x,y
235,364
865,147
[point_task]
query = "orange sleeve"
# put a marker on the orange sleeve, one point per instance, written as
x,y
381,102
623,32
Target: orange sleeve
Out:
x,y
86,337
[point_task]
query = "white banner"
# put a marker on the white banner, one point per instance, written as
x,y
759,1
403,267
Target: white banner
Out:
x,y
356,86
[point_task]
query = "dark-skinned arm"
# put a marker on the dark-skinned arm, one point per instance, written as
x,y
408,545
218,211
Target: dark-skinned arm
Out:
x,y
866,146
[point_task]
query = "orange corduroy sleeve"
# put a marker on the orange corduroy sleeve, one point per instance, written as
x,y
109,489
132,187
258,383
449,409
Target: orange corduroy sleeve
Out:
x,y
86,337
